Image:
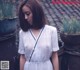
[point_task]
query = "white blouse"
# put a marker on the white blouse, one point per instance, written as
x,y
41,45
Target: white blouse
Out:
x,y
47,43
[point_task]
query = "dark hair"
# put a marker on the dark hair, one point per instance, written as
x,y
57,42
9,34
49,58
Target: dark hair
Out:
x,y
38,16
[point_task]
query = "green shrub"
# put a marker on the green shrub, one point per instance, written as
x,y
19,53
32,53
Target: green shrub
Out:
x,y
71,25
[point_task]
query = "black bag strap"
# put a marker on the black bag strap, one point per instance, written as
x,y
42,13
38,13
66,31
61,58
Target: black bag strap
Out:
x,y
35,43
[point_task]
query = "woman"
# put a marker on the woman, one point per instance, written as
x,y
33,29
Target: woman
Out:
x,y
37,41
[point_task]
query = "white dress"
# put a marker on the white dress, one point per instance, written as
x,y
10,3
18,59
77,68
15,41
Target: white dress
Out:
x,y
47,43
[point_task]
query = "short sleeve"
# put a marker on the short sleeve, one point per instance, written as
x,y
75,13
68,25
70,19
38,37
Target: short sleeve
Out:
x,y
21,49
54,40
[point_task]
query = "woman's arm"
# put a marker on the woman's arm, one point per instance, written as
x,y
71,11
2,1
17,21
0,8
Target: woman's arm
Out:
x,y
55,61
22,61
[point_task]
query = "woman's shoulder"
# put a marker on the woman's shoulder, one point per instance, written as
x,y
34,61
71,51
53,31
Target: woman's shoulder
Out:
x,y
49,27
21,32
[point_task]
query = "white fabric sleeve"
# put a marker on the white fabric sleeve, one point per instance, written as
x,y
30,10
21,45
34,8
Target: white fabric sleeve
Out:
x,y
21,49
54,40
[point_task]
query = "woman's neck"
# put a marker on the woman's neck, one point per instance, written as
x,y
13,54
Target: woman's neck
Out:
x,y
35,32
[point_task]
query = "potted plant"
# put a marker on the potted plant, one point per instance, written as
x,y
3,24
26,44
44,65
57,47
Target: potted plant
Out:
x,y
70,35
71,31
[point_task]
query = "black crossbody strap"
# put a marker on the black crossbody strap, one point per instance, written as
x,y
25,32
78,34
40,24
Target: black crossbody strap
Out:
x,y
35,44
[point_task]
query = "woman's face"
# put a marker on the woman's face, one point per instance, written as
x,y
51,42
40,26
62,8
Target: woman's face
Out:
x,y
28,14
